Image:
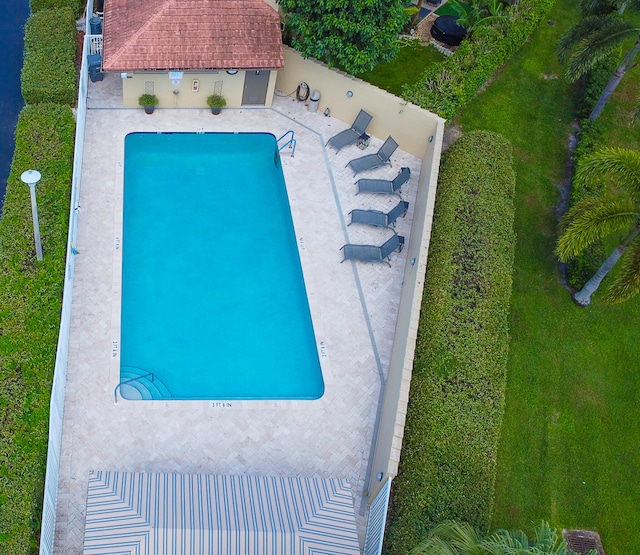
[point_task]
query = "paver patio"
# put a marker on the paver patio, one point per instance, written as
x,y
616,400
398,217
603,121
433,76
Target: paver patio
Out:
x,y
353,306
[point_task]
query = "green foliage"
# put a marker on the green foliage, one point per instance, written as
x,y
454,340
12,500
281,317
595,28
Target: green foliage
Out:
x,y
216,101
148,100
595,82
582,267
447,468
459,538
30,303
353,36
49,72
76,5
593,40
474,13
446,87
596,217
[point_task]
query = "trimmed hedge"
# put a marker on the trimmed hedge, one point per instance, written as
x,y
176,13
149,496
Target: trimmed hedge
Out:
x,y
447,466
49,70
446,87
76,5
30,303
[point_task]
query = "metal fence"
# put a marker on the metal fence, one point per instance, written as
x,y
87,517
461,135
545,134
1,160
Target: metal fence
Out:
x,y
377,519
47,534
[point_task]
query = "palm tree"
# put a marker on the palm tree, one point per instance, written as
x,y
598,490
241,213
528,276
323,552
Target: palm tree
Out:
x,y
594,219
459,538
596,37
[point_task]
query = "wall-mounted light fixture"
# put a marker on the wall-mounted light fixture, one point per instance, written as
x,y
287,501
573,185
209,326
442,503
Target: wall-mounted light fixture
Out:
x,y
413,261
379,476
430,138
349,94
195,85
232,71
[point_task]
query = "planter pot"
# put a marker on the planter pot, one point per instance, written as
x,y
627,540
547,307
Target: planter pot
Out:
x,y
148,109
216,111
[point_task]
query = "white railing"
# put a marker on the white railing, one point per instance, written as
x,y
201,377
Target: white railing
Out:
x,y
56,409
95,44
376,521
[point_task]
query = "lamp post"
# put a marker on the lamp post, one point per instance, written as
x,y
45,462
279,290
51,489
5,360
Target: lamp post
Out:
x,y
31,178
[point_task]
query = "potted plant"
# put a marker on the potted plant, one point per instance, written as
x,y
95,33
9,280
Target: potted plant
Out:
x,y
216,103
148,102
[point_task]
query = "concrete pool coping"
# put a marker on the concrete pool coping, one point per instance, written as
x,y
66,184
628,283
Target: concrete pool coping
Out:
x,y
329,437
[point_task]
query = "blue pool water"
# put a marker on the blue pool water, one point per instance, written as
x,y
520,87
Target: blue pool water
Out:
x,y
213,298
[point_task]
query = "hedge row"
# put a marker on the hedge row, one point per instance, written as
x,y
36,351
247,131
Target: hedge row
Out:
x,y
447,467
30,303
49,70
446,87
76,5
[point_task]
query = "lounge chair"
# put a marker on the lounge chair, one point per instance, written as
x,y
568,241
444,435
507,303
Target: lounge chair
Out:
x,y
384,186
350,136
371,161
377,218
371,253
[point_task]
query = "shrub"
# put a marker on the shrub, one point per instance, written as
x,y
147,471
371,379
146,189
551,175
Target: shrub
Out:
x,y
49,71
445,87
447,466
30,303
148,100
76,5
216,101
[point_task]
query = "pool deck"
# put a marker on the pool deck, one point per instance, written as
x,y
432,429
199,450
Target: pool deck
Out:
x,y
353,306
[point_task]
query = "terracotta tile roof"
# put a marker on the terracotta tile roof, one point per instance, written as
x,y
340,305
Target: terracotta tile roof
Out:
x,y
191,35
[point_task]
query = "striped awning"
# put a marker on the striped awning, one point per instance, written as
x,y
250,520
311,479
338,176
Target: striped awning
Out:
x,y
151,513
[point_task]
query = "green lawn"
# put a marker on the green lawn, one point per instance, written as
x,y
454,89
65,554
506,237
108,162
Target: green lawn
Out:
x,y
569,449
411,62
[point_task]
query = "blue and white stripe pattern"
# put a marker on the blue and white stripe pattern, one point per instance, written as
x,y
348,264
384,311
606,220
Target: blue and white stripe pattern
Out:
x,y
150,513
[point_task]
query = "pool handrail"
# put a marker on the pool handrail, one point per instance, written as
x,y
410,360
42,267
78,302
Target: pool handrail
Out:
x,y
290,143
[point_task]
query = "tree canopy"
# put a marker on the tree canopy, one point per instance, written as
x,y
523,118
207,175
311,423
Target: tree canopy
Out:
x,y
353,35
460,538
599,35
615,214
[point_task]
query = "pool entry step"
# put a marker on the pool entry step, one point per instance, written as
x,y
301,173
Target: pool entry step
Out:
x,y
138,385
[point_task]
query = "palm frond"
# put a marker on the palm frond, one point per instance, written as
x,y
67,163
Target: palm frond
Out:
x,y
574,35
549,541
507,541
626,283
622,164
591,220
591,41
600,7
434,546
451,538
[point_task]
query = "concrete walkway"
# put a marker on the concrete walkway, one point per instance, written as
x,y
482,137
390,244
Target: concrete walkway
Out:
x,y
353,306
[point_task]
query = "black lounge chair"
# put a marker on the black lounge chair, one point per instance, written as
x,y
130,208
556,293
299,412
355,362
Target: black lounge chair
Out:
x,y
377,218
350,136
384,186
371,253
371,161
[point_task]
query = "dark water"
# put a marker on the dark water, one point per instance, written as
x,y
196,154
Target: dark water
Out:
x,y
13,15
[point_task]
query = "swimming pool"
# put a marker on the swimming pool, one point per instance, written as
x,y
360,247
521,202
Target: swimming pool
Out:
x,y
214,304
